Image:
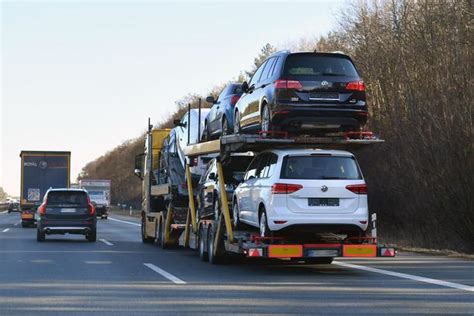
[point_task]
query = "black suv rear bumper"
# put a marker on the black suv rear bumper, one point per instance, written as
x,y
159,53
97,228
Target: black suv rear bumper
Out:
x,y
314,117
81,227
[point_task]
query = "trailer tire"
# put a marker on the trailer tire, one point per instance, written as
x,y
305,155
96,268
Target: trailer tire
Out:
x,y
202,245
319,260
163,244
145,238
40,235
213,259
24,225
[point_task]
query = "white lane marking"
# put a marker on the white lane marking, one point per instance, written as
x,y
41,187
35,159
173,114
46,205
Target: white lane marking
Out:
x,y
108,243
16,224
5,230
4,212
167,275
125,222
408,276
98,262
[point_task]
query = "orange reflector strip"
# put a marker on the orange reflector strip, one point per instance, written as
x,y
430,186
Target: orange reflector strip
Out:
x,y
359,250
26,215
285,251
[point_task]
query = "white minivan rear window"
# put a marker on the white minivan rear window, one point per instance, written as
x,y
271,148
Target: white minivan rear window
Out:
x,y
320,167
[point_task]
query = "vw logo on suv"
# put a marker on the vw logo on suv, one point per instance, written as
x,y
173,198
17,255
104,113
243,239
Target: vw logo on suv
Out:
x,y
324,188
324,84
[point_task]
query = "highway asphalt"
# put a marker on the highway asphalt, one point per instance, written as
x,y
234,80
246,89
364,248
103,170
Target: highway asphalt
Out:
x,y
118,275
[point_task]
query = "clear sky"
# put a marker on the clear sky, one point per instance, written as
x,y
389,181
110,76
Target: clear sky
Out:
x,y
84,76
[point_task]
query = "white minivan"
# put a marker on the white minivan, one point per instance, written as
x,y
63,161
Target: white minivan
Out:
x,y
303,191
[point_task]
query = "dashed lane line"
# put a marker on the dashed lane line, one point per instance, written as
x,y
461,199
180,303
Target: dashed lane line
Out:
x,y
108,243
5,230
3,212
165,274
407,276
124,222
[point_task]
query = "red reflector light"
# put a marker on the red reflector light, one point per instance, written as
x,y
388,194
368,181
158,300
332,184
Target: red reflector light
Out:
x,y
234,99
357,188
91,209
283,188
279,222
42,209
387,252
356,85
288,84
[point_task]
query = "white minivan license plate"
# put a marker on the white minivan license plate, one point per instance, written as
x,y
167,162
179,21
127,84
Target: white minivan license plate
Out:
x,y
323,202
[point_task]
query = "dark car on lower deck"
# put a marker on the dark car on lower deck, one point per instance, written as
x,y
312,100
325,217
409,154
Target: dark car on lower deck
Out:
x,y
66,211
209,190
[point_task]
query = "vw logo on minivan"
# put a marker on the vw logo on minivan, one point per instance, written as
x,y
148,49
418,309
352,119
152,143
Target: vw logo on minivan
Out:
x,y
324,188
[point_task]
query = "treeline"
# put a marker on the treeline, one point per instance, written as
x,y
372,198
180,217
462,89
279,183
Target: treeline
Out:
x,y
416,59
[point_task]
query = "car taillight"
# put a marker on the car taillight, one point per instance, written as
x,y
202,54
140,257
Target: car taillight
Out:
x,y
356,85
234,99
42,209
91,209
288,84
193,162
357,188
283,188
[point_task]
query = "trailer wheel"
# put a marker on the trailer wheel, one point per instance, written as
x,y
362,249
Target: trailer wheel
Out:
x,y
145,238
213,258
202,245
40,235
162,234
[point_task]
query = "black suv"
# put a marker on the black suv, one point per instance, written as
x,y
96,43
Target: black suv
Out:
x,y
66,211
301,93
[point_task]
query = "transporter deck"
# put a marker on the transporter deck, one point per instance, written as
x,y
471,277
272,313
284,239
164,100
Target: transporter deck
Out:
x,y
215,238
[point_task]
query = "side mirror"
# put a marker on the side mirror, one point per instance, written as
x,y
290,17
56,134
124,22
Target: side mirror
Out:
x,y
138,173
138,170
210,99
212,176
245,86
177,122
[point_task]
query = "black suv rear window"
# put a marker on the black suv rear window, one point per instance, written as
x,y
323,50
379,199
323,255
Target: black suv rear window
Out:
x,y
314,65
320,167
62,198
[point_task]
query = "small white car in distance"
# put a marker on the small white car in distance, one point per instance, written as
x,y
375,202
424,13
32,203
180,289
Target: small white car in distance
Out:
x,y
303,191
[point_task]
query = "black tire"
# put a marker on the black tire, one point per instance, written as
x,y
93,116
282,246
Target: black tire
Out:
x,y
235,216
210,246
322,260
264,230
202,245
92,236
40,235
225,127
265,119
157,233
163,244
237,127
145,238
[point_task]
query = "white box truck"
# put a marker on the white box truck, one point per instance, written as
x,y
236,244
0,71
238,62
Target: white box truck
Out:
x,y
99,193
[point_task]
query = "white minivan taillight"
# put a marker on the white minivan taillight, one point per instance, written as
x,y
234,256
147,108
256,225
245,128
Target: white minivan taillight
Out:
x,y
283,188
357,188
